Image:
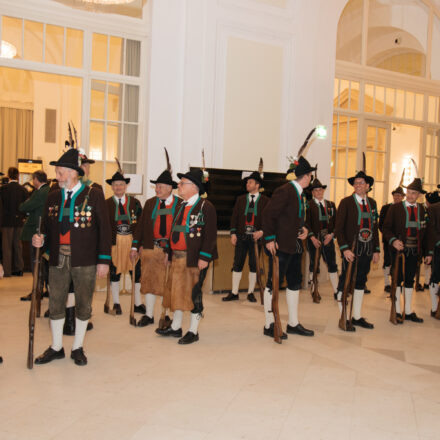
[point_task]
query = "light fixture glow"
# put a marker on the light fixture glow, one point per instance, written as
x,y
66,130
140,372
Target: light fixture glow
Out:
x,y
7,50
321,132
109,2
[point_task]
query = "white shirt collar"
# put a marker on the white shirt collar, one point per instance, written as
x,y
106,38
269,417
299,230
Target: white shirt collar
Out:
x,y
74,190
168,200
122,199
359,198
192,200
410,204
256,196
318,201
298,186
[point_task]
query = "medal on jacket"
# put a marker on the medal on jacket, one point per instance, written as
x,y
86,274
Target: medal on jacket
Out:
x,y
198,232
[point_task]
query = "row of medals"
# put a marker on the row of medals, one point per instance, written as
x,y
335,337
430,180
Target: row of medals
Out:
x,y
84,215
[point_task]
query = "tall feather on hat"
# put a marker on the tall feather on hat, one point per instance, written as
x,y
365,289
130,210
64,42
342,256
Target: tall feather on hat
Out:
x,y
295,160
205,173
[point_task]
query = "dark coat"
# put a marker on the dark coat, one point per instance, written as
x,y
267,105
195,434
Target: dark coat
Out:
x,y
346,226
433,231
34,207
12,196
382,215
90,245
312,217
143,236
238,219
134,209
283,218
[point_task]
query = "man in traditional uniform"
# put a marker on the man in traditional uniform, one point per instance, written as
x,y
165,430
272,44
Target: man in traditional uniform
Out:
x,y
320,222
76,231
85,165
398,196
434,248
284,231
357,220
404,230
246,229
124,213
151,240
193,245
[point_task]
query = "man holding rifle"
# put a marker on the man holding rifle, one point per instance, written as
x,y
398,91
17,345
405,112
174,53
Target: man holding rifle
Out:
x,y
357,218
404,229
245,230
284,231
320,221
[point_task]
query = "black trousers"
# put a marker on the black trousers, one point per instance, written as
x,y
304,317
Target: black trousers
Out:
x,y
245,245
387,259
290,267
363,268
435,266
328,255
411,259
117,276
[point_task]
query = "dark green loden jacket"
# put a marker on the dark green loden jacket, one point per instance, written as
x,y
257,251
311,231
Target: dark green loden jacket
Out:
x,y
34,207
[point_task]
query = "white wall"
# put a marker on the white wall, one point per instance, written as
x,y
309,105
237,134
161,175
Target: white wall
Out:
x,y
193,73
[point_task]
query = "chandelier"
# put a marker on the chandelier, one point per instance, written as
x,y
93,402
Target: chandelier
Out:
x,y
108,2
7,50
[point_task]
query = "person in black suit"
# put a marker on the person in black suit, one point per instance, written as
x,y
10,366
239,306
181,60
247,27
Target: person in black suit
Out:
x,y
12,195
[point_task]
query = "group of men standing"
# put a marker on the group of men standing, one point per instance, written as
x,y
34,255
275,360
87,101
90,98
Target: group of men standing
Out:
x,y
170,241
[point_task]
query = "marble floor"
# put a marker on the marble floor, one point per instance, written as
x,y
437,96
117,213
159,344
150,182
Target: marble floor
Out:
x,y
233,384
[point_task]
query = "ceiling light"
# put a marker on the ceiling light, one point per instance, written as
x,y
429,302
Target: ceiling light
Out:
x,y
108,2
7,50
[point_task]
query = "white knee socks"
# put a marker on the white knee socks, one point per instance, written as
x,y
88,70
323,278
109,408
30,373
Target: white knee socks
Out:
x,y
137,294
56,326
236,277
268,307
292,297
177,320
115,291
386,275
195,320
80,332
334,280
150,300
358,297
427,273
433,289
339,297
252,281
408,298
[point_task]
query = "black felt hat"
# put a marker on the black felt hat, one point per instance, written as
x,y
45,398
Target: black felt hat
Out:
x,y
398,190
361,175
416,185
70,159
317,184
255,175
300,167
166,179
195,176
84,158
432,197
118,177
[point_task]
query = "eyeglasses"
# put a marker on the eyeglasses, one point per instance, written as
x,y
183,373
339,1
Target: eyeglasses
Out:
x,y
185,183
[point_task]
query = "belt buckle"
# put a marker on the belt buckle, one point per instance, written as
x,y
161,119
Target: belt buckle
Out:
x,y
365,235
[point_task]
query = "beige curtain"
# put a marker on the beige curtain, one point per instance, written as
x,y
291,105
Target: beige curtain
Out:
x,y
16,136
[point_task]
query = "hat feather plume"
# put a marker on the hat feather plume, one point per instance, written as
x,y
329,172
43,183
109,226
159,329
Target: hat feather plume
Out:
x,y
401,179
119,165
364,163
306,142
415,167
75,134
168,161
69,129
260,166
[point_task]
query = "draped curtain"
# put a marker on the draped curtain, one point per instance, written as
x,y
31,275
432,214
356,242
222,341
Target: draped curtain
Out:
x,y
16,136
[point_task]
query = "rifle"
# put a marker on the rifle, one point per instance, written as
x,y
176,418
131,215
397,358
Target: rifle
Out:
x,y
314,285
348,284
277,331
395,277
132,318
32,312
260,272
107,300
39,286
164,321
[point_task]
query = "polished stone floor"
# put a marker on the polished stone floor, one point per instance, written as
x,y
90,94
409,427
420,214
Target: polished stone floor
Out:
x,y
233,384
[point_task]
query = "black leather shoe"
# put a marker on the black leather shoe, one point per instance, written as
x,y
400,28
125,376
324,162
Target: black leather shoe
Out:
x,y
46,313
230,297
270,332
189,338
367,290
45,294
361,322
419,287
26,298
251,298
89,326
145,320
335,296
1,360
299,330
69,323
118,309
169,332
349,327
413,317
399,318
387,289
78,356
426,286
140,309
50,355
18,273
433,313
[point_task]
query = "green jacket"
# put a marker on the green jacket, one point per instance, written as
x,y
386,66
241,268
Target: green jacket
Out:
x,y
34,207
